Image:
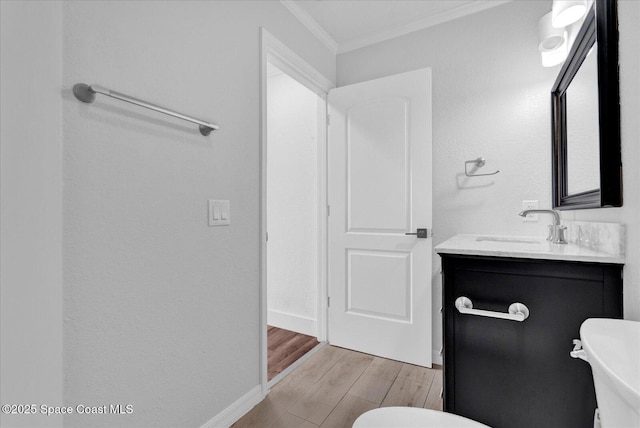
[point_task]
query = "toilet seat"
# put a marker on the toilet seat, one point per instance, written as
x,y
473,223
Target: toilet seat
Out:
x,y
412,417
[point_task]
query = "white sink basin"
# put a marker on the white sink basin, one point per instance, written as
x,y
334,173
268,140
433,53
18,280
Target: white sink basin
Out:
x,y
613,351
514,239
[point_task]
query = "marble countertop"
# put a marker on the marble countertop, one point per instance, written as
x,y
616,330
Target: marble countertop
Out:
x,y
527,247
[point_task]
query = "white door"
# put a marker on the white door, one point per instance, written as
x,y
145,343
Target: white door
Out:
x,y
379,190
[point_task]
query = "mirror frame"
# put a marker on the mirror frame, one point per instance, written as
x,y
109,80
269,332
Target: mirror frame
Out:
x,y
601,25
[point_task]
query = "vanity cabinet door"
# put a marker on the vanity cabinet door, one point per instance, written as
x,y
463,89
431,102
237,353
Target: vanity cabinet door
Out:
x,y
506,373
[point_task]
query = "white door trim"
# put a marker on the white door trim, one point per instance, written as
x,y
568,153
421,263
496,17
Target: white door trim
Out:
x,y
274,51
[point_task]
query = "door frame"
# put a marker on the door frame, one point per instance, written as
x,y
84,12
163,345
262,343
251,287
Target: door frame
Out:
x,y
277,53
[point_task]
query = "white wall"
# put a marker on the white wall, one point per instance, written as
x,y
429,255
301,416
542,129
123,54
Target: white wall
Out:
x,y
161,311
492,99
629,213
31,225
292,205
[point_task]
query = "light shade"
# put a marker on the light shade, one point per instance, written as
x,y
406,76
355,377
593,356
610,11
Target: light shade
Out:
x,y
566,12
556,56
549,37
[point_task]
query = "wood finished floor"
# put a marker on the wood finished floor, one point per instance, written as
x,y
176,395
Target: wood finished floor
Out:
x,y
336,385
285,347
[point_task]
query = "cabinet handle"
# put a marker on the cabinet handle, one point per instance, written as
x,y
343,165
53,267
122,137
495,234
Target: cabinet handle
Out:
x,y
517,311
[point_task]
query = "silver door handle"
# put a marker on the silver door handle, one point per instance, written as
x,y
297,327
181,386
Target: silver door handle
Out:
x,y
421,233
517,311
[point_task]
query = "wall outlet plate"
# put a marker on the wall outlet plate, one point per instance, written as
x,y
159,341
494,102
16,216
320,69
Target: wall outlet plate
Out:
x,y
530,205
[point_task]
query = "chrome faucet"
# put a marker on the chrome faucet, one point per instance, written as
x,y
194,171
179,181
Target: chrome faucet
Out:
x,y
556,230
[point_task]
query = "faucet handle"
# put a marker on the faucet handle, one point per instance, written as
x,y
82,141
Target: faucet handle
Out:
x,y
560,238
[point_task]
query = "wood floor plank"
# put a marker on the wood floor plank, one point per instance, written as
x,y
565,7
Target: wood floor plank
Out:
x,y
285,347
276,403
433,398
329,390
417,373
277,336
288,353
263,414
406,392
347,411
320,363
290,421
327,393
375,382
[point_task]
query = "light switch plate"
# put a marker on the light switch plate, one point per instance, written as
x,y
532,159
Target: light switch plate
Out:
x,y
219,213
530,205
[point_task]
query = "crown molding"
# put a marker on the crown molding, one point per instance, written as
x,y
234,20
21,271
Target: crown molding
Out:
x,y
273,71
311,24
401,30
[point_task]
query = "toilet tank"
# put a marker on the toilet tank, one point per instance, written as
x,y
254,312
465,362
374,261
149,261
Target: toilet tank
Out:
x,y
612,349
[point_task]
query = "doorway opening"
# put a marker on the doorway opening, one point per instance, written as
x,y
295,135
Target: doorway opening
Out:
x,y
292,220
293,210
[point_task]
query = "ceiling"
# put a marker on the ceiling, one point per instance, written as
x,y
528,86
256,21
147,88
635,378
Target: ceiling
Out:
x,y
344,25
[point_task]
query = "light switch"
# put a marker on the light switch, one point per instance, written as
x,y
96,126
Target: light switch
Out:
x,y
219,212
225,212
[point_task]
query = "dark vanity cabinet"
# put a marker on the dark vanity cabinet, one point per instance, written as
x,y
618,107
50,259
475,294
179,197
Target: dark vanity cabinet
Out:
x,y
507,373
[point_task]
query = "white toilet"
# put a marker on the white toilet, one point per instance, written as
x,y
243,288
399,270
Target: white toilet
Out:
x,y
412,417
611,347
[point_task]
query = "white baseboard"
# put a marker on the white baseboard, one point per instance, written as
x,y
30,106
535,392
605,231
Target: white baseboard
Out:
x,y
235,411
436,358
292,322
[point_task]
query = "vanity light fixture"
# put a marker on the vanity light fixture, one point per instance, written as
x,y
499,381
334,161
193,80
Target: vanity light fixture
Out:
x,y
566,12
552,42
555,57
549,37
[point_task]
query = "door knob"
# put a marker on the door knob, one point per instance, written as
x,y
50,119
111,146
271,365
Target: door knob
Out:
x,y
420,233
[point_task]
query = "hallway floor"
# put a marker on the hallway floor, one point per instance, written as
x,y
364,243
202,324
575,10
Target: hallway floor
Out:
x,y
336,385
285,347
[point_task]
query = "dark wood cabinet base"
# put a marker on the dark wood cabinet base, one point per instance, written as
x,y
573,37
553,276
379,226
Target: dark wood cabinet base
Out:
x,y
507,373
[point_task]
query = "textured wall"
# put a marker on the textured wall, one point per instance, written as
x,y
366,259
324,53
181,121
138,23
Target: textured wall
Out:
x,y
292,205
31,197
491,98
161,311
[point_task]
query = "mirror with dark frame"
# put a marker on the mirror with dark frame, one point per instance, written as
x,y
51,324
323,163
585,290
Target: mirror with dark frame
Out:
x,y
585,104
